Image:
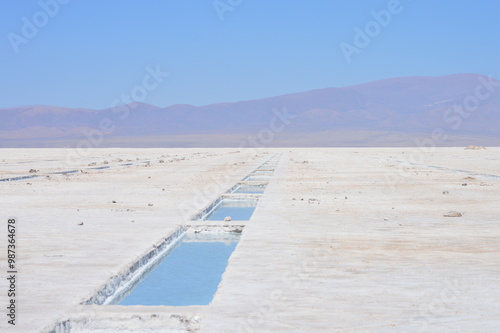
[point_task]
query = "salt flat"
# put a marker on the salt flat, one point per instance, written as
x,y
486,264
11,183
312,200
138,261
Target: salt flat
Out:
x,y
342,240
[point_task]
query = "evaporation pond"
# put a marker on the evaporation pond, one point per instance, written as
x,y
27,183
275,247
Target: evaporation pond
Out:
x,y
256,178
237,210
249,189
264,171
189,275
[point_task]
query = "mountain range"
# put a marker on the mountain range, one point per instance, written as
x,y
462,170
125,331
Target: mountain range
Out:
x,y
463,108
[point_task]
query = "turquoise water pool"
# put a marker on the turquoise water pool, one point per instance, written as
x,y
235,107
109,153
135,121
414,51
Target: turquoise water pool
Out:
x,y
189,275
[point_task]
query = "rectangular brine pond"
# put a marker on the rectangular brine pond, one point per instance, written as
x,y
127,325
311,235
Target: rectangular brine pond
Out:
x,y
187,272
231,209
17,178
263,172
100,168
256,178
65,172
265,168
250,189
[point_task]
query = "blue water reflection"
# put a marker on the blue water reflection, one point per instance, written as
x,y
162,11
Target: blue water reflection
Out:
x,y
190,275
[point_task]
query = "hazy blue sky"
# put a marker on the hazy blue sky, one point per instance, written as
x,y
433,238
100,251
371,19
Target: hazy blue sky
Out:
x,y
90,52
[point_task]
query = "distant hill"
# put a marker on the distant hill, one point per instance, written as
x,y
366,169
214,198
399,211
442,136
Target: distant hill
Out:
x,y
392,112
